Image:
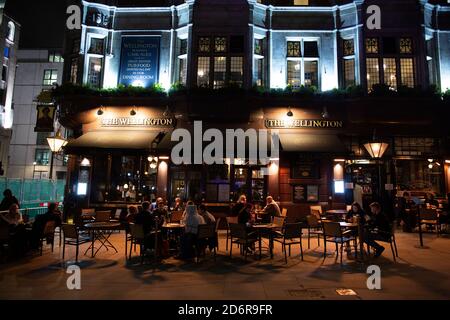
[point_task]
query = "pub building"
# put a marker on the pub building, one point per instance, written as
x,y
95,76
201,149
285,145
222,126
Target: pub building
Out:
x,y
272,65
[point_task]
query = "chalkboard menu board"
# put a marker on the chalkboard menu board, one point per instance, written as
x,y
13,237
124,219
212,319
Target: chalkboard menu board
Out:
x,y
305,169
306,193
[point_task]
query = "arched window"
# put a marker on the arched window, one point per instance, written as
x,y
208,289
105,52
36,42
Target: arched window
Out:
x,y
11,31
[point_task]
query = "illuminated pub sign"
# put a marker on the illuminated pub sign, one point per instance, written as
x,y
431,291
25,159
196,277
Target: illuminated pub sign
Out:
x,y
139,61
303,123
138,122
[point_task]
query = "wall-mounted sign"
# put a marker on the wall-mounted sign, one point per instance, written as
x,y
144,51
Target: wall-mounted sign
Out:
x,y
45,118
138,122
139,63
303,123
306,193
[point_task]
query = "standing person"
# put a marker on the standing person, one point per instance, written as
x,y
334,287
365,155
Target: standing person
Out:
x,y
378,228
271,209
8,200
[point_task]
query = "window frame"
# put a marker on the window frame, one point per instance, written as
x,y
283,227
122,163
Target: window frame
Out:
x,y
52,72
302,59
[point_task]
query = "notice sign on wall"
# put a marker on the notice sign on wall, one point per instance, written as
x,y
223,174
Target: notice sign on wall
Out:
x,y
139,61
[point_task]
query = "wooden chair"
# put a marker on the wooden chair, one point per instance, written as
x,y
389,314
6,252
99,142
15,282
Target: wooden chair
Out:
x,y
205,232
176,216
239,233
332,232
72,237
291,234
314,228
429,217
137,237
230,220
284,212
103,216
48,233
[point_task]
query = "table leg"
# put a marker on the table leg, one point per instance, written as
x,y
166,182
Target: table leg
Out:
x,y
93,243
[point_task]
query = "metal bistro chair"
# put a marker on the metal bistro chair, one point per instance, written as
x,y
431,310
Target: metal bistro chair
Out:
x,y
389,238
332,232
291,234
314,228
72,237
230,220
242,238
429,217
48,233
206,232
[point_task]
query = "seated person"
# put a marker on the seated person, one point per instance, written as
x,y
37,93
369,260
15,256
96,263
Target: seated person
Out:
x,y
191,222
431,201
149,223
13,217
377,228
132,213
271,210
13,221
178,205
52,214
161,210
356,211
208,217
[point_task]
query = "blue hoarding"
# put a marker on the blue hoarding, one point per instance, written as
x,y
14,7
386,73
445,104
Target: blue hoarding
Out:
x,y
139,61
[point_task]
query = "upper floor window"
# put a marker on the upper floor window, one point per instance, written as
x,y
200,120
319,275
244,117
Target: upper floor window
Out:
x,y
50,77
11,31
97,46
55,57
348,67
372,45
301,2
406,45
349,47
302,63
259,50
222,64
259,63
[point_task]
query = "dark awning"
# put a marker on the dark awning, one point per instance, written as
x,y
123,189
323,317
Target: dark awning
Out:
x,y
114,140
311,143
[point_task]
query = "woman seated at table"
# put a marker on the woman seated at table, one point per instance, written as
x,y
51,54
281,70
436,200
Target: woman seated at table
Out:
x,y
244,215
356,211
191,221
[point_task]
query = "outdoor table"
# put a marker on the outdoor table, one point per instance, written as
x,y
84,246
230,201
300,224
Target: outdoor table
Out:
x,y
173,226
260,228
101,231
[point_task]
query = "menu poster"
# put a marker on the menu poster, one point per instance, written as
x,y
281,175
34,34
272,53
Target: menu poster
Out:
x,y
139,65
299,193
312,193
305,169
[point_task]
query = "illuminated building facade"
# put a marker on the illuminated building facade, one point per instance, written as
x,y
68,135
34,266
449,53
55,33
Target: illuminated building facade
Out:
x,y
315,70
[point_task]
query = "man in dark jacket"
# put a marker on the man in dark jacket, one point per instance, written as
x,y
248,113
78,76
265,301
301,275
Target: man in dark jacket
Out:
x,y
41,220
378,228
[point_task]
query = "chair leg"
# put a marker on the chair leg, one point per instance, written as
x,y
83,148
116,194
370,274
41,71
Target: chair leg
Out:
x,y
285,252
395,246
42,245
289,250
76,253
342,251
131,248
126,245
53,243
318,240
324,248
309,238
301,248
226,245
141,252
231,246
64,250
393,252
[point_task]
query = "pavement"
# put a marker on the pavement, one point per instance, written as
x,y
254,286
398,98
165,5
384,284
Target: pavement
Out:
x,y
419,273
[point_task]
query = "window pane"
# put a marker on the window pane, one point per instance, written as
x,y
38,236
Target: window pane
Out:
x,y
294,73
349,72
406,45
259,72
310,49
311,73
373,72
301,2
74,71
237,70
42,157
183,46
50,77
182,74
97,46
293,49
407,72
372,45
390,72
220,44
259,47
95,72
220,69
204,44
349,47
203,72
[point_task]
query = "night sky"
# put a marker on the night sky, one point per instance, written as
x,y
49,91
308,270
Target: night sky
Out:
x,y
43,22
